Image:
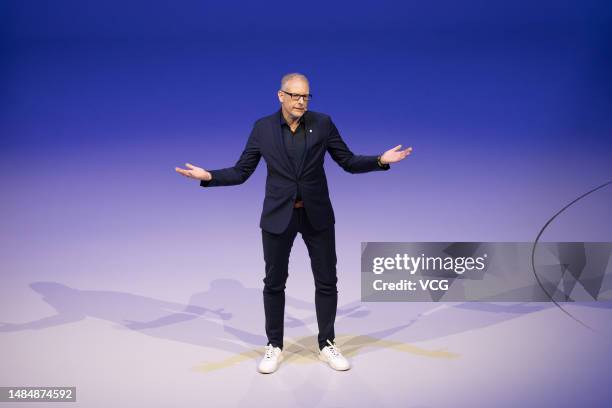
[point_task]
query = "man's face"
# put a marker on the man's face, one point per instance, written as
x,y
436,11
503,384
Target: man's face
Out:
x,y
291,108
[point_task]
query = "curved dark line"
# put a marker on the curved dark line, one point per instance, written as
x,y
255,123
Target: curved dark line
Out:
x,y
534,248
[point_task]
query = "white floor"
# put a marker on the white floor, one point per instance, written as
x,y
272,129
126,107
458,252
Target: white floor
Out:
x,y
403,354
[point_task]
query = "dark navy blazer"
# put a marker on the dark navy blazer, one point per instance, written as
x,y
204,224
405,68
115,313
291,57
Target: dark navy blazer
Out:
x,y
282,181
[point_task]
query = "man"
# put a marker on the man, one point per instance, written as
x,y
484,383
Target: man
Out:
x,y
293,142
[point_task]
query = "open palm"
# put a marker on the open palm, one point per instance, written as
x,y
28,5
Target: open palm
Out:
x,y
394,155
194,172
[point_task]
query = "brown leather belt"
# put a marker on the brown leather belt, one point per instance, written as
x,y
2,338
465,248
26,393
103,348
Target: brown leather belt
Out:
x,y
298,204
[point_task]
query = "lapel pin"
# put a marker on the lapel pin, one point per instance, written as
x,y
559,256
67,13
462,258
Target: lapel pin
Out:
x,y
310,130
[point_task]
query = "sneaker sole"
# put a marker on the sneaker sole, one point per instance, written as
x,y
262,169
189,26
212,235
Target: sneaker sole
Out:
x,y
322,358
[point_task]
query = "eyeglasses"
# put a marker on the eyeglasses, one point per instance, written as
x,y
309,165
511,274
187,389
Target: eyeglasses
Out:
x,y
296,97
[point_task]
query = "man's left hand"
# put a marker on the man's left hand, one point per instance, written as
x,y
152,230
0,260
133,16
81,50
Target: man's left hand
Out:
x,y
394,155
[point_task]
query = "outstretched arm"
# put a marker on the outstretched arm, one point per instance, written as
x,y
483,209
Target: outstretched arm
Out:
x,y
238,174
353,163
42,323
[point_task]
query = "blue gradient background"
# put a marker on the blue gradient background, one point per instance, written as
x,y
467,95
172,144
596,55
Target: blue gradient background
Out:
x,y
507,105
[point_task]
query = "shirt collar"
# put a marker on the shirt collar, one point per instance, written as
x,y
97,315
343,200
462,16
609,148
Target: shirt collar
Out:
x,y
284,122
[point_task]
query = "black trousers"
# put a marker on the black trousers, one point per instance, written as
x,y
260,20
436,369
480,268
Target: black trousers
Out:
x,y
321,247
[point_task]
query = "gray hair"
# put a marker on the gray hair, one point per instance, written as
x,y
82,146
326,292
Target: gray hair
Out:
x,y
292,75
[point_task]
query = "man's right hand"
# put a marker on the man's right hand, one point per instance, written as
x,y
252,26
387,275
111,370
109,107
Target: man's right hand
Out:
x,y
194,172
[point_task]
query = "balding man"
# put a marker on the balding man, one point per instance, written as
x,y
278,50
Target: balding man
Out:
x,y
293,142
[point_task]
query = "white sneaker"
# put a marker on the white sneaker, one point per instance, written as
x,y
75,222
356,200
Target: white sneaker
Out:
x,y
332,356
271,359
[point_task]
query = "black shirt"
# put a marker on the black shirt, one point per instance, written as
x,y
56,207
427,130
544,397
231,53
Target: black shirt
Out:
x,y
295,143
